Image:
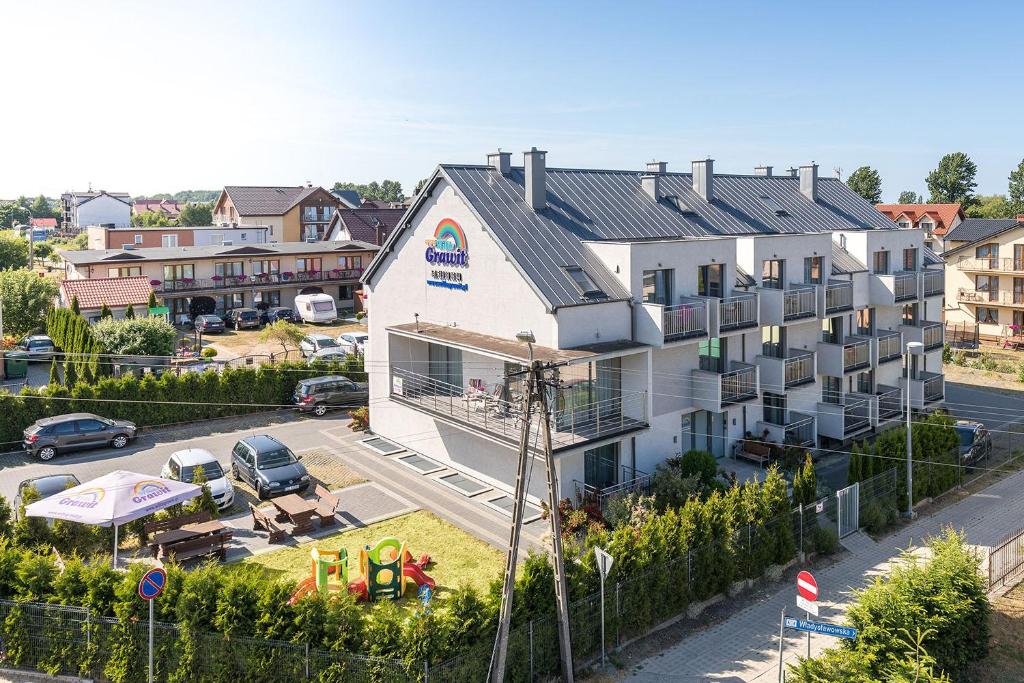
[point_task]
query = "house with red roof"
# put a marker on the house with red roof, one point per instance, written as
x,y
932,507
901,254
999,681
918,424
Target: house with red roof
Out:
x,y
168,207
935,219
116,292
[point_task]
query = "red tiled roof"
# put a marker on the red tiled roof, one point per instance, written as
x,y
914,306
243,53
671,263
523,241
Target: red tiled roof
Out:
x,y
369,225
113,291
942,214
44,222
167,206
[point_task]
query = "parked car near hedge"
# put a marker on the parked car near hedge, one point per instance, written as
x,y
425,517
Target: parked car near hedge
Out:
x,y
244,318
312,343
209,324
52,435
38,347
320,394
182,466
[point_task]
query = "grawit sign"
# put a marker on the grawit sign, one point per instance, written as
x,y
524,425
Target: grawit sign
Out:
x,y
448,256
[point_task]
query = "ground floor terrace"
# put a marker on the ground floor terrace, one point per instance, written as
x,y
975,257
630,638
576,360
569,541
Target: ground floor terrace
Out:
x,y
183,304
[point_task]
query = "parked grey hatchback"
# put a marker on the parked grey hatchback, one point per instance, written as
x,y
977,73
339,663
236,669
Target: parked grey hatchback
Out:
x,y
268,466
75,431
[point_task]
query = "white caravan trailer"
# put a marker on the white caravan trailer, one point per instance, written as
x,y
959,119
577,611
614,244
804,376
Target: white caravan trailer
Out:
x,y
316,308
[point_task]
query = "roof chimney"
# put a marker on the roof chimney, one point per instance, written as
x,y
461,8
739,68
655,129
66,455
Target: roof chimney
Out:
x,y
651,183
500,161
809,181
536,180
792,171
704,178
656,166
1020,217
763,170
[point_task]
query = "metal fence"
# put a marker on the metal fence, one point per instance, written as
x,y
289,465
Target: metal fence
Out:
x,y
1006,560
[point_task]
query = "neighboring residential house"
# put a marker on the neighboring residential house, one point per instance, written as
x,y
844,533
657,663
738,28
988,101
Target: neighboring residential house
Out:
x,y
367,225
44,223
383,204
174,236
82,209
935,219
985,276
237,276
678,310
116,292
294,214
348,198
168,207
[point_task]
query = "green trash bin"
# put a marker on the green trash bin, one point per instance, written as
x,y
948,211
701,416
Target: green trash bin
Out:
x,y
15,364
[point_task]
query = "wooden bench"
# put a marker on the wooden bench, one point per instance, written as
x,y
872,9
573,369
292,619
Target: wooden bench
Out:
x,y
326,505
262,520
175,522
755,451
204,546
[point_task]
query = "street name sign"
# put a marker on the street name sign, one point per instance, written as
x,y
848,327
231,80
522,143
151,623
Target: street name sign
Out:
x,y
822,628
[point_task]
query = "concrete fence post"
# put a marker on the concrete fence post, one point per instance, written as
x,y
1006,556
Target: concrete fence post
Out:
x,y
800,512
531,649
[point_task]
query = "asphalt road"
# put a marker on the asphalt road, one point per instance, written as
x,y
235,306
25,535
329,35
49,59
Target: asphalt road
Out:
x,y
149,452
994,408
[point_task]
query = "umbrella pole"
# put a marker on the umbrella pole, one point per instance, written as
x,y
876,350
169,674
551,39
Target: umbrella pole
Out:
x,y
115,546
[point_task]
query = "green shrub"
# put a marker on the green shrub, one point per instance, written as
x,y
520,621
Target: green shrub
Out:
x,y
873,518
209,352
825,540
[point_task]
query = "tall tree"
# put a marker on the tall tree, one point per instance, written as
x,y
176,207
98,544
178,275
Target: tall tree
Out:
x,y
386,190
419,186
1017,190
990,206
11,214
41,208
13,251
74,304
195,214
27,297
866,182
953,181
150,219
909,197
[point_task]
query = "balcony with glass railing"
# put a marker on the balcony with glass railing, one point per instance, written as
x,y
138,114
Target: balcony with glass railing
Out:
x,y
894,288
490,415
889,402
836,360
778,372
715,390
933,282
994,263
794,303
658,325
838,297
229,282
926,388
788,427
931,334
737,312
889,344
847,418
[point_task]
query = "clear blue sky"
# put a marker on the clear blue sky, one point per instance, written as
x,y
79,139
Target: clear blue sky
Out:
x,y
157,97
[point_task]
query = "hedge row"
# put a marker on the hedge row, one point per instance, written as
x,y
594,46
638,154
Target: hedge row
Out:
x,y
167,399
73,334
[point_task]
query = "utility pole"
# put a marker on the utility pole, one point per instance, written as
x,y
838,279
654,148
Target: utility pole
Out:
x,y
913,349
561,597
497,669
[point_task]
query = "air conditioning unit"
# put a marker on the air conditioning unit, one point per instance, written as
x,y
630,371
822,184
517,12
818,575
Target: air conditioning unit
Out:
x,y
227,243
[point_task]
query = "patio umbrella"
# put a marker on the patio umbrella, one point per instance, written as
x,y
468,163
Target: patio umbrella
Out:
x,y
113,499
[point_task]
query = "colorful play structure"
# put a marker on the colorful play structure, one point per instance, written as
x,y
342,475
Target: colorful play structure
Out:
x,y
384,569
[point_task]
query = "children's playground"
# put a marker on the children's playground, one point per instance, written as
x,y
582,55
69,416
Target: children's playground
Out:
x,y
387,560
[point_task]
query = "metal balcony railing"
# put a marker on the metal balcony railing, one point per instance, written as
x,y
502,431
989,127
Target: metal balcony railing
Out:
x,y
799,368
904,285
890,402
684,320
838,296
1006,265
260,280
494,416
856,355
739,383
737,311
932,336
630,481
800,429
933,282
799,302
889,345
933,386
856,414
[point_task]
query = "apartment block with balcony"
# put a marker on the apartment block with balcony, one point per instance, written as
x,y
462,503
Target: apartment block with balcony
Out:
x,y
677,311
224,277
984,281
293,213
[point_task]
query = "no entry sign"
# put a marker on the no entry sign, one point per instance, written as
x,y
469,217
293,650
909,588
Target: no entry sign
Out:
x,y
806,586
152,583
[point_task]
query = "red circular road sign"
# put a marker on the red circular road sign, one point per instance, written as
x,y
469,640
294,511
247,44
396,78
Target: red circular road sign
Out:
x,y
806,586
152,583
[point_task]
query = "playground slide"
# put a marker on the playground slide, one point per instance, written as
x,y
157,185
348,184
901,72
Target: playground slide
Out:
x,y
357,587
414,572
306,587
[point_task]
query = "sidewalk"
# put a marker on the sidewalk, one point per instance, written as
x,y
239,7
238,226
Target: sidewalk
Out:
x,y
744,647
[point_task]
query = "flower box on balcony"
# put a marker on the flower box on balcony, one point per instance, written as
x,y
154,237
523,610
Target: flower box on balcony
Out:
x,y
155,283
217,278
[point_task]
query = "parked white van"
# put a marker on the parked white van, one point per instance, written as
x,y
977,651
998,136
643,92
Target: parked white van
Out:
x,y
316,308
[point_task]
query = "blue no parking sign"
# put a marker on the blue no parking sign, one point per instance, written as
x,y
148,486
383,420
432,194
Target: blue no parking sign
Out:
x,y
152,583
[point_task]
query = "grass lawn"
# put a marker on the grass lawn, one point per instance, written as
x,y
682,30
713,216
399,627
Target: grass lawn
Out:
x,y
1005,661
231,344
457,557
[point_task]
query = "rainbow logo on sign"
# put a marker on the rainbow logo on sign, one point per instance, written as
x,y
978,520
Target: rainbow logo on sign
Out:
x,y
148,490
448,248
86,498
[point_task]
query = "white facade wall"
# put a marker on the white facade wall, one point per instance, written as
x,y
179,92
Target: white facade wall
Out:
x,y
102,210
245,235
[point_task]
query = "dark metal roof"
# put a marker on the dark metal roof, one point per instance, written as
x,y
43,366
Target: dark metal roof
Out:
x,y
845,263
266,201
975,229
744,279
931,258
611,205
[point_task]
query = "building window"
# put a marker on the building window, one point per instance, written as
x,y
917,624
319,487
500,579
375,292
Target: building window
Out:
x,y
583,282
601,466
124,271
217,238
774,408
880,263
182,271
910,314
1018,290
1018,321
229,268
987,283
812,270
346,292
866,321
168,241
231,301
138,239
270,298
178,307
266,267
710,280
910,259
711,354
987,316
773,342
831,389
904,224
658,287
866,382
308,265
444,366
832,330
350,262
926,226
772,273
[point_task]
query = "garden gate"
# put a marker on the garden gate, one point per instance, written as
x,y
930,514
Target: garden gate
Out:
x,y
848,509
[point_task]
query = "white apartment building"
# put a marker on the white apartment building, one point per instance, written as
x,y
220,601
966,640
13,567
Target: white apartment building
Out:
x,y
82,209
682,311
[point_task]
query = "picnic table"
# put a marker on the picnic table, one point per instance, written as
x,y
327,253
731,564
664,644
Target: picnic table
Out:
x,y
163,540
298,511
